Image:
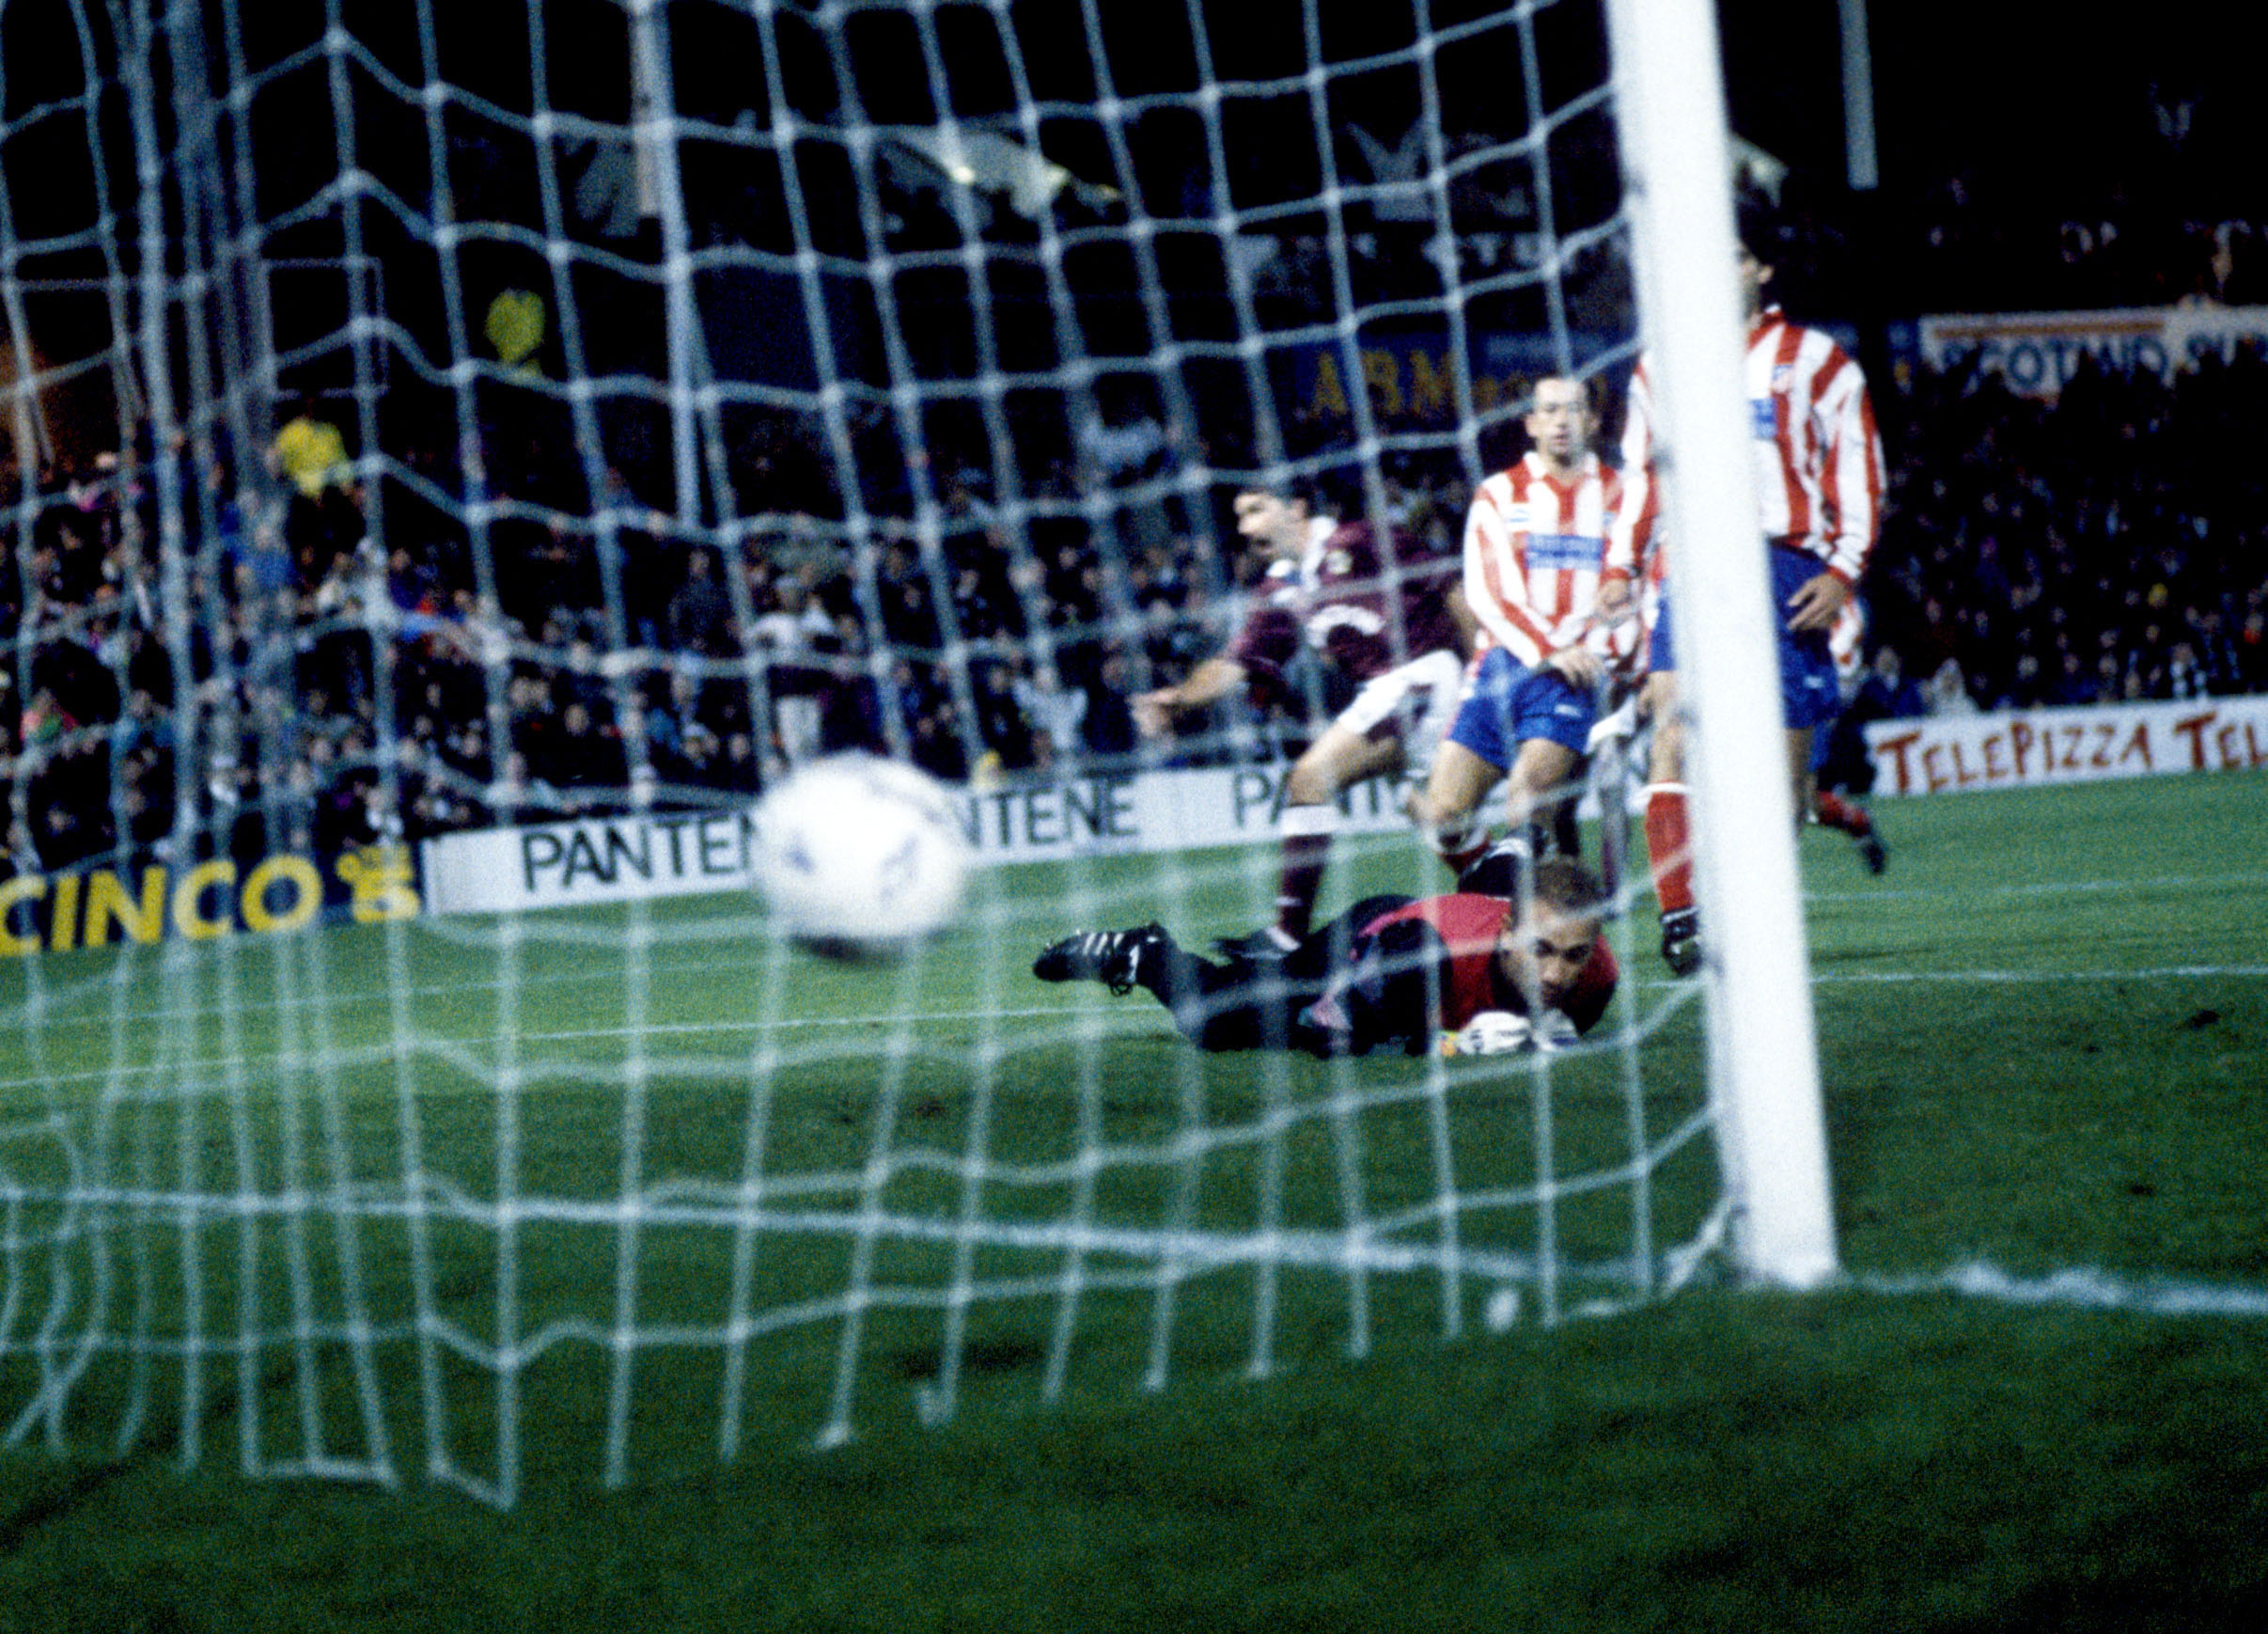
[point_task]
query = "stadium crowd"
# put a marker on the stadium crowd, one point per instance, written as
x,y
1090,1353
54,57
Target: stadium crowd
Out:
x,y
566,658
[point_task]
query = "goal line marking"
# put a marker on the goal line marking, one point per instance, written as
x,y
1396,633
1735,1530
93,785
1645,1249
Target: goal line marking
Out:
x,y
2082,1287
2016,977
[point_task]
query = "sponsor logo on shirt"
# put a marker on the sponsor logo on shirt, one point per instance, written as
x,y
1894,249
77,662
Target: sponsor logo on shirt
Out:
x,y
1560,550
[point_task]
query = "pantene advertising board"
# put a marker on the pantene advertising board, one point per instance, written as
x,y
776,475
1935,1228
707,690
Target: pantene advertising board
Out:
x,y
2036,353
1944,754
628,857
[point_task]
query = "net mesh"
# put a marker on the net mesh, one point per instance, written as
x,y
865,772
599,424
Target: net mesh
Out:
x,y
460,455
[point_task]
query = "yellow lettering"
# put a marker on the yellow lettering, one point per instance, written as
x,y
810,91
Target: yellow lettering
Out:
x,y
1432,387
1330,399
63,924
107,900
381,878
25,888
1382,374
190,893
307,893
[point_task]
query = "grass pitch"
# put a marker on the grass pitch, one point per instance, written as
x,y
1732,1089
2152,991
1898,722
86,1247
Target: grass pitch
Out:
x,y
2044,1040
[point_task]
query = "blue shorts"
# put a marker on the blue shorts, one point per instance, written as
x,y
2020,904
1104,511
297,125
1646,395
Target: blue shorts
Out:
x,y
1809,693
1505,704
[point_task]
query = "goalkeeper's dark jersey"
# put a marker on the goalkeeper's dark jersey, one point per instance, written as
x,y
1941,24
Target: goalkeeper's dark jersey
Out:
x,y
1457,936
1411,970
1389,971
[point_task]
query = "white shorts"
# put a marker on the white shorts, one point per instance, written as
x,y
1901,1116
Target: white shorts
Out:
x,y
1416,700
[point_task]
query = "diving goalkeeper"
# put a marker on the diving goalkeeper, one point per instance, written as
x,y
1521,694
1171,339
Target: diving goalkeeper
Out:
x,y
1470,968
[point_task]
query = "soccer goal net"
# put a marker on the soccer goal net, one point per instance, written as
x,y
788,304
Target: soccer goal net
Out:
x,y
460,455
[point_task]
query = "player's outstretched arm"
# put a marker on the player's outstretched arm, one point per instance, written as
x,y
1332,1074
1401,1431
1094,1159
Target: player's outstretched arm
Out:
x,y
1155,711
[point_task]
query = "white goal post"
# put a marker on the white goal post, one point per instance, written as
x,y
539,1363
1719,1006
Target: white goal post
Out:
x,y
1765,1053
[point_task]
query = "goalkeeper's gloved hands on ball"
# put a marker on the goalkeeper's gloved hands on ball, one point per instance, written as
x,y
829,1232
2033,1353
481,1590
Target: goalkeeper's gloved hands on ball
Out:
x,y
1505,1033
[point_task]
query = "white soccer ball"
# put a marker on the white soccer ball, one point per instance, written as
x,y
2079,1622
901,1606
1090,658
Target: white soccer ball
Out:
x,y
858,855
1494,1032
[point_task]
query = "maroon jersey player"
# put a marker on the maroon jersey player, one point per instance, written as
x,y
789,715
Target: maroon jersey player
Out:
x,y
1381,604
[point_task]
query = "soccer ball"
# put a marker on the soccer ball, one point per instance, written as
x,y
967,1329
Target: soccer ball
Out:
x,y
1490,1032
860,857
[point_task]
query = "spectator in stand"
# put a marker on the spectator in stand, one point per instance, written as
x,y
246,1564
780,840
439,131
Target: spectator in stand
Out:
x,y
587,760
309,449
699,617
2252,650
738,773
1002,730
519,796
1109,730
792,634
2184,675
1946,693
1887,692
1056,712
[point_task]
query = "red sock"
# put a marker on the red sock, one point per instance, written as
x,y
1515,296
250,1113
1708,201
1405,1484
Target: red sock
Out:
x,y
1834,811
1306,856
1668,851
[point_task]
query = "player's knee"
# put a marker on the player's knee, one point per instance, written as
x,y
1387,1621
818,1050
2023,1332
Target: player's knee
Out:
x,y
1311,783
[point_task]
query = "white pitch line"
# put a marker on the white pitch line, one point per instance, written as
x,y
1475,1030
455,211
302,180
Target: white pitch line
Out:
x,y
1085,1023
2014,978
2046,887
2085,1287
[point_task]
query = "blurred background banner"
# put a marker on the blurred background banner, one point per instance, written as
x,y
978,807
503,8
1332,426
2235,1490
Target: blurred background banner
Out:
x,y
2037,353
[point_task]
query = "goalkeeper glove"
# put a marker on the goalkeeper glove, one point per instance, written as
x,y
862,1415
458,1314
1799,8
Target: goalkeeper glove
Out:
x,y
1490,1032
1554,1031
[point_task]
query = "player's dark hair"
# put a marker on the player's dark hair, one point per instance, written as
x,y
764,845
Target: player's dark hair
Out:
x,y
1562,882
1582,383
1336,490
1312,491
1317,493
1761,226
1568,885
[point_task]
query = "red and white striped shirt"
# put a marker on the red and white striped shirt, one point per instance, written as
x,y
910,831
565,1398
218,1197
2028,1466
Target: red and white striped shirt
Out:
x,y
1818,456
1533,548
